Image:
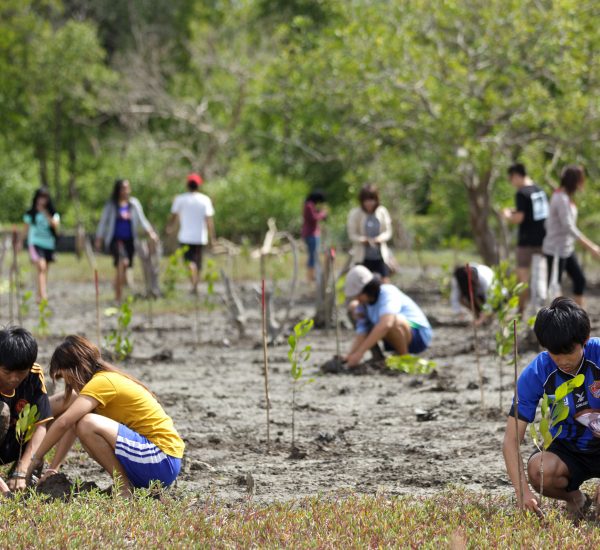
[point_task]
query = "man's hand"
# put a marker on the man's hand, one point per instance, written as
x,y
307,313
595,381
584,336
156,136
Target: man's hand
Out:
x,y
531,504
35,463
507,213
17,483
354,359
48,472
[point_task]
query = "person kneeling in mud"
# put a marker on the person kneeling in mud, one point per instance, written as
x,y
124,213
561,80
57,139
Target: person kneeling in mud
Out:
x,y
482,278
117,419
21,383
574,456
384,313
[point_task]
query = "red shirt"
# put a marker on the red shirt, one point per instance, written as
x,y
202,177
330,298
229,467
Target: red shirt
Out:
x,y
312,217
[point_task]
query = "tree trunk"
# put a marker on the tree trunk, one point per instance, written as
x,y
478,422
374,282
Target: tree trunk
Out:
x,y
57,150
40,155
479,215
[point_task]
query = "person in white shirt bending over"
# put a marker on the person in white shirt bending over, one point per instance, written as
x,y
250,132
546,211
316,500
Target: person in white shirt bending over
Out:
x,y
195,212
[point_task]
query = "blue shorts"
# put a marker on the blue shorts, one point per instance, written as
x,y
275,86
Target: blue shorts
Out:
x,y
312,244
143,461
421,338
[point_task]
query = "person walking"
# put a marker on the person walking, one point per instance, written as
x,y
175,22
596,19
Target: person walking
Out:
x,y
369,228
562,233
195,212
42,221
313,213
530,213
118,230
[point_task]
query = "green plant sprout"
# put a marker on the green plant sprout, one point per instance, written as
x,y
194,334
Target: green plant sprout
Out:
x,y
298,357
211,276
174,271
503,302
25,304
410,364
44,315
553,412
25,426
119,339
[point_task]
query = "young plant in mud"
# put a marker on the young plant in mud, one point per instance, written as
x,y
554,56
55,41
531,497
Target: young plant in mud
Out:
x,y
503,302
25,426
211,276
298,357
553,411
25,304
44,315
410,364
120,340
174,271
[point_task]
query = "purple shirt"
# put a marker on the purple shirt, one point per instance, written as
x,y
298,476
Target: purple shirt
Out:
x,y
123,230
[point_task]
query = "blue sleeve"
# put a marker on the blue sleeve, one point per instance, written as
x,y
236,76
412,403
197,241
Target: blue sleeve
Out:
x,y
390,304
530,388
592,350
362,324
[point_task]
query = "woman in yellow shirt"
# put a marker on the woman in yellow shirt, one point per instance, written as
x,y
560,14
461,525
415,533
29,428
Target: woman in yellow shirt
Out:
x,y
117,419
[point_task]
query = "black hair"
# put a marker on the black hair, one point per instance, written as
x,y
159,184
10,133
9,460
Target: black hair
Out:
x,y
462,278
192,186
563,325
42,192
116,192
517,168
316,196
18,349
571,178
372,289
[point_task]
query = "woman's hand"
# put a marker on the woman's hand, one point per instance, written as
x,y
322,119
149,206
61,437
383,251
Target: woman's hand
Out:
x,y
4,487
48,472
353,359
35,463
17,482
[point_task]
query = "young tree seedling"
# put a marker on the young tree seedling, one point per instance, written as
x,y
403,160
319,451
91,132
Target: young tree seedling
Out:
x,y
266,362
553,411
174,271
25,426
410,364
120,339
44,315
298,357
26,303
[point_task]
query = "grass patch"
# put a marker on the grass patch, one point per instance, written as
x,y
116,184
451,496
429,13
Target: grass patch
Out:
x,y
457,516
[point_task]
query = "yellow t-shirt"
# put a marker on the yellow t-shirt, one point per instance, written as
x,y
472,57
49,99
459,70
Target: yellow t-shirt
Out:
x,y
126,402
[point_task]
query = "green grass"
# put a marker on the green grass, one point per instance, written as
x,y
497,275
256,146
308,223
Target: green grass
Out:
x,y
455,518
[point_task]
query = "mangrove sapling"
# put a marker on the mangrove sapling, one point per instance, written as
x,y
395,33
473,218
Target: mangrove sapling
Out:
x,y
25,306
211,276
298,357
410,364
266,361
44,315
119,340
553,411
25,426
174,271
503,301
476,338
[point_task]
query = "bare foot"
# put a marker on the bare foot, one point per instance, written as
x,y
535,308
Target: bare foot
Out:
x,y
578,506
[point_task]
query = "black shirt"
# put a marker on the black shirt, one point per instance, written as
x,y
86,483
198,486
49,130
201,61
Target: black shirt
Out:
x,y
533,202
33,391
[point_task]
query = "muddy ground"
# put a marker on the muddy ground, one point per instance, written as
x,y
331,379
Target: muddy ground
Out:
x,y
359,433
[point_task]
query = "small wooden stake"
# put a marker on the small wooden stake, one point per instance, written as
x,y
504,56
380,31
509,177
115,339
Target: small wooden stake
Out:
x,y
516,412
97,288
266,362
16,278
475,337
335,307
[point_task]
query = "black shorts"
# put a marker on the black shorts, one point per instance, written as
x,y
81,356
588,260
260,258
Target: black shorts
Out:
x,y
377,266
582,466
193,254
37,253
122,249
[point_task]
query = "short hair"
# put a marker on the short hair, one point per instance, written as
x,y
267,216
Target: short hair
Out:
x,y
368,192
18,349
571,177
563,325
316,196
462,279
372,289
518,169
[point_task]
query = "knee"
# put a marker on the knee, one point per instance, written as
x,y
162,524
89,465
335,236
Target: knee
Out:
x,y
85,425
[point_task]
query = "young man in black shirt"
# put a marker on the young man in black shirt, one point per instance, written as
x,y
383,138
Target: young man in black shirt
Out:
x,y
21,383
530,214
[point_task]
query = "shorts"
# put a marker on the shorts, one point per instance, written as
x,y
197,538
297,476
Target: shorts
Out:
x,y
143,461
421,338
37,253
582,466
193,254
377,266
525,255
122,249
312,243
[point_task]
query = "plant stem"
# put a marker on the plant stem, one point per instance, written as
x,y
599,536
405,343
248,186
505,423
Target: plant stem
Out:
x,y
475,337
335,306
516,413
542,478
266,363
293,414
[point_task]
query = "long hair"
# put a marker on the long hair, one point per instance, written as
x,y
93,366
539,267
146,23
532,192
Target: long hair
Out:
x,y
77,359
41,192
571,178
116,192
368,192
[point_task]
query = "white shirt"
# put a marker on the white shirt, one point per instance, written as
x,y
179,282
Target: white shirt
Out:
x,y
192,208
485,276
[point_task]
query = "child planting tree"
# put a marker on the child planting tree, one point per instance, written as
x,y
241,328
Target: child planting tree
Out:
x,y
21,384
573,455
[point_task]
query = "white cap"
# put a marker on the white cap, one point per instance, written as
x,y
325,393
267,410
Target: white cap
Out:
x,y
358,277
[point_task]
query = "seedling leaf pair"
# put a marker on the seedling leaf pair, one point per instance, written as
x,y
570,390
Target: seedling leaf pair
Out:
x,y
25,426
410,364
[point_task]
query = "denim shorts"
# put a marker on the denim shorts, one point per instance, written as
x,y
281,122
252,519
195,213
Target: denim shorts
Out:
x,y
312,243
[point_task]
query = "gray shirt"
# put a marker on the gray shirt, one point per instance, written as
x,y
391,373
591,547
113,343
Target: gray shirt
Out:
x,y
561,226
372,230
108,220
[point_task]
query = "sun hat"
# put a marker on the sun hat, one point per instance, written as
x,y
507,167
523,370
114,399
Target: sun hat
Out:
x,y
358,277
195,178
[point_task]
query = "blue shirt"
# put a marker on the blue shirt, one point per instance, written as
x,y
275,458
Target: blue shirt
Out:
x,y
543,376
391,301
123,229
39,232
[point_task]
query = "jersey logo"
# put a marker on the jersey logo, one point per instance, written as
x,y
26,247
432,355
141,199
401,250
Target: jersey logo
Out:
x,y
20,405
595,389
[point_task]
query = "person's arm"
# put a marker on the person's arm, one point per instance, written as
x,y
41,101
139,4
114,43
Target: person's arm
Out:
x,y
82,405
513,216
386,231
18,482
567,220
143,220
354,232
386,322
53,221
514,465
102,226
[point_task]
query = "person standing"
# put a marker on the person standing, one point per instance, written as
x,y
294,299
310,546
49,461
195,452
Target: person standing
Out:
x,y
530,215
312,215
118,229
562,232
369,228
41,222
195,213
